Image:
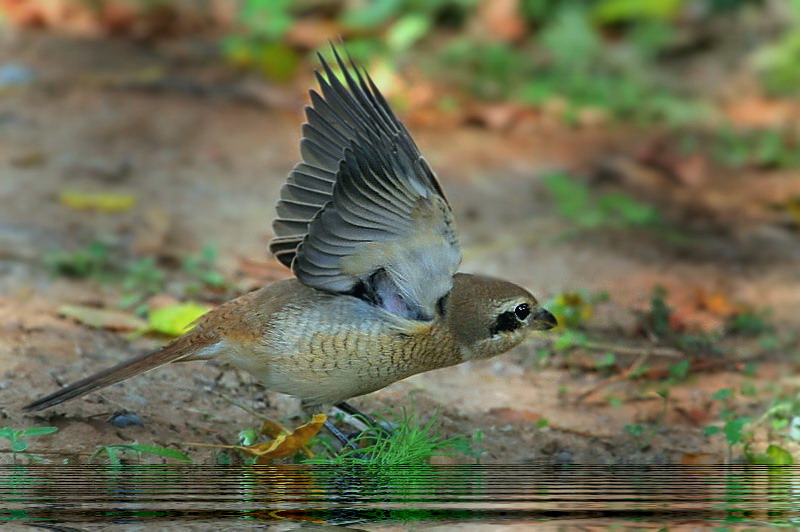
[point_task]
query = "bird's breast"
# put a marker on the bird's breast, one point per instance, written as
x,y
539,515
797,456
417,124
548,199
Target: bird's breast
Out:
x,y
326,348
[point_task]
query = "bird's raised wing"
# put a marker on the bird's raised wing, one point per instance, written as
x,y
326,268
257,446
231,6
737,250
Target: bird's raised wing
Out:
x,y
363,213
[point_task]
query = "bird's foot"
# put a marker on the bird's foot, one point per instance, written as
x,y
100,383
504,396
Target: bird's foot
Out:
x,y
382,429
365,424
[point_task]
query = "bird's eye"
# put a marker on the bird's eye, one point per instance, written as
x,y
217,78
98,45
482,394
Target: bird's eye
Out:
x,y
522,311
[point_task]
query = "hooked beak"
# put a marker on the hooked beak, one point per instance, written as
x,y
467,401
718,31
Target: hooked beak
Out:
x,y
543,320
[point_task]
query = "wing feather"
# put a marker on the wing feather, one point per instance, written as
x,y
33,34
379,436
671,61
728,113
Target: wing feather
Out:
x,y
363,213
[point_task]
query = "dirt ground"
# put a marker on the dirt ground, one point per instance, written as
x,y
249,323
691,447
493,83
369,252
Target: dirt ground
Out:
x,y
211,163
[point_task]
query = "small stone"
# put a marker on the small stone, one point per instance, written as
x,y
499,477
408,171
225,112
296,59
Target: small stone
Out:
x,y
123,418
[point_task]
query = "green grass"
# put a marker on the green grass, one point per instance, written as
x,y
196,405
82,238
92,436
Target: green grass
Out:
x,y
410,443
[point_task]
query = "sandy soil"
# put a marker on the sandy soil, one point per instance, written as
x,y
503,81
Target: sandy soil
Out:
x,y
211,165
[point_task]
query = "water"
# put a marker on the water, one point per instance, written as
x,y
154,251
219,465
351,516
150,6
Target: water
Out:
x,y
469,497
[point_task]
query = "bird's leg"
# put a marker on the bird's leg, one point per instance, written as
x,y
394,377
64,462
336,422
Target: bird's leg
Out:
x,y
371,422
341,436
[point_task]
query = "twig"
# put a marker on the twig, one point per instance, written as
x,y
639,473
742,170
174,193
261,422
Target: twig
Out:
x,y
666,352
638,363
262,417
250,410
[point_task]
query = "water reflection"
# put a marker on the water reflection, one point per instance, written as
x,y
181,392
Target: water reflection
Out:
x,y
223,496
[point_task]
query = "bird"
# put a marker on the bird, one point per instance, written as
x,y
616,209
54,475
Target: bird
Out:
x,y
364,225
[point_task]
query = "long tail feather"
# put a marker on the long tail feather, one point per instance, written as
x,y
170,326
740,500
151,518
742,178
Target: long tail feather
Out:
x,y
128,368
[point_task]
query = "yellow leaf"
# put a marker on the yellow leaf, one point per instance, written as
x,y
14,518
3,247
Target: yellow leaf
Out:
x,y
793,206
289,444
174,320
286,444
97,201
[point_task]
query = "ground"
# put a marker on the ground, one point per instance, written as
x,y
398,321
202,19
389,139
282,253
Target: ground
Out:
x,y
206,167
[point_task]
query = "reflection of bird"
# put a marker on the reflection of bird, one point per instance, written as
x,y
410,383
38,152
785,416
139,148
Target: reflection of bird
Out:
x,y
365,227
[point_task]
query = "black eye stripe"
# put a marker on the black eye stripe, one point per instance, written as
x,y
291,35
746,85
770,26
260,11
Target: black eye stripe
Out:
x,y
507,321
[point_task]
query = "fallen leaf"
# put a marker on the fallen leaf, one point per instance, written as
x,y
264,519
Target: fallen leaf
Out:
x,y
176,319
700,459
761,112
717,303
793,206
311,33
498,116
501,20
99,318
285,444
289,444
273,429
513,414
29,159
97,201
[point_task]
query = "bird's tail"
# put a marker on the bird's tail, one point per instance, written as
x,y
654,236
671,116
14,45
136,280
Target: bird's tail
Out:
x,y
174,351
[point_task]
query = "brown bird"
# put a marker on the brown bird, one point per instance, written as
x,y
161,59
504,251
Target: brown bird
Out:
x,y
365,227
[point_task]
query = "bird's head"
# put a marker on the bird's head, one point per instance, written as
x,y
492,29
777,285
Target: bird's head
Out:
x,y
488,316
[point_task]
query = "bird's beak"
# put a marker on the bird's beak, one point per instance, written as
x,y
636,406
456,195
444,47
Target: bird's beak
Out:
x,y
543,320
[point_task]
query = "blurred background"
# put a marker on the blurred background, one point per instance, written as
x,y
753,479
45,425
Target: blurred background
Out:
x,y
634,163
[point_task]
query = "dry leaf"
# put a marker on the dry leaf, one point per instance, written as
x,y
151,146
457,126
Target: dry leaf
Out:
x,y
273,429
285,444
115,320
718,304
793,206
502,20
29,159
97,201
700,459
759,112
289,444
311,33
499,116
513,414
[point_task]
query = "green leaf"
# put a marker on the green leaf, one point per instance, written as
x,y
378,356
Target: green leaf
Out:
x,y
679,370
154,449
39,431
721,395
19,446
613,11
733,430
608,360
407,31
7,433
779,455
570,196
174,320
630,211
268,18
635,430
710,431
113,456
373,14
569,339
572,41
277,61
